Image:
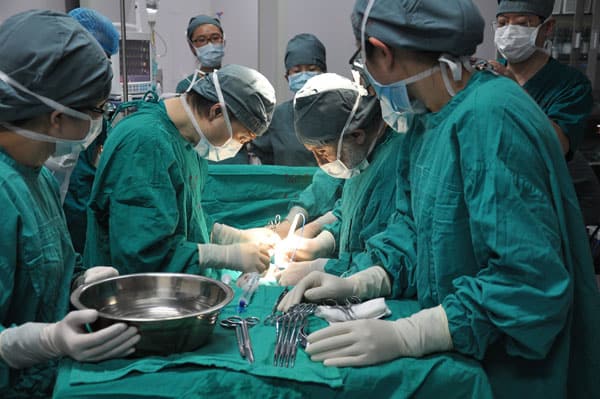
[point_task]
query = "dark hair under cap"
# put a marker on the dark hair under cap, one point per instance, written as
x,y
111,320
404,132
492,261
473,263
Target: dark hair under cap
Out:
x,y
541,8
201,20
51,54
305,49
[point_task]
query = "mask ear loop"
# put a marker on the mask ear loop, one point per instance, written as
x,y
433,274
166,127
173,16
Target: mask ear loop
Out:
x,y
47,101
223,106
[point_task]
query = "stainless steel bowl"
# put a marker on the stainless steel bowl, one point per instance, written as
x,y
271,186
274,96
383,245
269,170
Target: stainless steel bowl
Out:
x,y
173,312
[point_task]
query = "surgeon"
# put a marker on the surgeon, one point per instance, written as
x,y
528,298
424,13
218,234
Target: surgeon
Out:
x,y
502,270
342,126
51,92
82,177
305,57
523,30
145,212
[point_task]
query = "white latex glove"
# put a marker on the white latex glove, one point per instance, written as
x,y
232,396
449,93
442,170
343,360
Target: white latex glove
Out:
x,y
297,248
370,283
33,343
315,227
246,257
98,273
225,235
296,271
366,342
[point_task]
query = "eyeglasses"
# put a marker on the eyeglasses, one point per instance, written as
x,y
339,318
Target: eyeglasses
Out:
x,y
358,66
106,109
519,20
203,40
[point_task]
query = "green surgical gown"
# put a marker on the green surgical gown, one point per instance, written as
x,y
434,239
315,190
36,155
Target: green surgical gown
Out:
x,y
279,145
320,196
145,212
37,262
500,242
565,96
365,206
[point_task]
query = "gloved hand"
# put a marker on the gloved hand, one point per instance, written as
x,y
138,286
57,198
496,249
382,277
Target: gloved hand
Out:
x,y
225,235
283,228
315,227
300,249
246,257
33,343
98,273
366,342
296,271
370,283
94,274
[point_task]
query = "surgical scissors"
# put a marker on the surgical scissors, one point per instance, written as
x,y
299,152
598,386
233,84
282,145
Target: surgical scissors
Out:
x,y
241,331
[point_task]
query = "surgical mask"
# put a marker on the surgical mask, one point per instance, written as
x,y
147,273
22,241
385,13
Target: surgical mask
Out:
x,y
337,169
297,80
63,146
205,148
210,55
516,43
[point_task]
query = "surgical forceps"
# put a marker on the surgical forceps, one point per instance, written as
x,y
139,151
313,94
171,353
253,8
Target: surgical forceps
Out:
x,y
271,319
241,332
346,307
290,331
273,224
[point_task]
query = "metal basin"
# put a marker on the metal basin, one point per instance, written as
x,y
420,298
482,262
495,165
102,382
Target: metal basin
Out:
x,y
173,312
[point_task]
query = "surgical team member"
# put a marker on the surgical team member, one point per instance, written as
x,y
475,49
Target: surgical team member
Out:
x,y
50,91
342,126
502,269
145,212
82,177
207,42
522,36
305,57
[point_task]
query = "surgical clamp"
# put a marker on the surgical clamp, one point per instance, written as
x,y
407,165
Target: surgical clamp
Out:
x,y
243,336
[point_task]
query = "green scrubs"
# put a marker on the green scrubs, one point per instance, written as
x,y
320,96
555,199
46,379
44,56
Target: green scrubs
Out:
x,y
37,262
500,242
320,196
280,145
565,96
145,212
366,204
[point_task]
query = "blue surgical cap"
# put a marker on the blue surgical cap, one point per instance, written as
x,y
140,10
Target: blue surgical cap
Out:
x,y
248,95
323,105
100,27
305,49
442,26
52,55
202,20
542,8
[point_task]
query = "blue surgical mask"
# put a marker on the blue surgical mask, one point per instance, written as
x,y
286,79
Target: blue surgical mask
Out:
x,y
210,55
297,80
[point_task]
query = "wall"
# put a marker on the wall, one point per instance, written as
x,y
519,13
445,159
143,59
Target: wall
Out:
x,y
487,50
11,7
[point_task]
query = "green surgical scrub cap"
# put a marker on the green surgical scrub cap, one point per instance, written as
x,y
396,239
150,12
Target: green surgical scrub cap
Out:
x,y
248,95
202,20
305,49
323,105
542,8
454,27
51,54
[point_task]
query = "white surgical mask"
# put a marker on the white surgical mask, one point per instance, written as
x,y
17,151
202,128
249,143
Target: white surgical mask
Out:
x,y
337,168
63,146
205,148
516,43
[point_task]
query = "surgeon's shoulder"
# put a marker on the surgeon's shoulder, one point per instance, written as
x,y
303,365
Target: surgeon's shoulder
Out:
x,y
496,96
